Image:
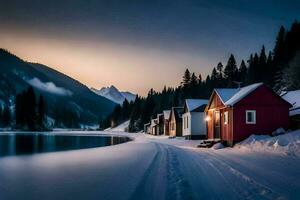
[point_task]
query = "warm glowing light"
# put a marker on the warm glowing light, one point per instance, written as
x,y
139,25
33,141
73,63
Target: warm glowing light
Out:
x,y
207,118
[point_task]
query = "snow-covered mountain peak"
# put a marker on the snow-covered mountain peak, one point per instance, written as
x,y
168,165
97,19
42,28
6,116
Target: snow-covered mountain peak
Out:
x,y
113,94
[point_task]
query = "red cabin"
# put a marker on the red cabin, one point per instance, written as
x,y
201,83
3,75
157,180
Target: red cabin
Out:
x,y
233,114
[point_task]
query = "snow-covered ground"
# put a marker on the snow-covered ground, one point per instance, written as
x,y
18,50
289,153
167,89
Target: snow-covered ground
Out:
x,y
121,128
155,168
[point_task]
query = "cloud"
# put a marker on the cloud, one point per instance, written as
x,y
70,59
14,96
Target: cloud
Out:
x,y
49,87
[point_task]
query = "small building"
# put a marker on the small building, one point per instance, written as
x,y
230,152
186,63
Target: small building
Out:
x,y
234,114
293,97
176,122
153,127
166,122
147,129
193,119
160,124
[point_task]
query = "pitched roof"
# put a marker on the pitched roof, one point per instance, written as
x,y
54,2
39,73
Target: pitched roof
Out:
x,y
193,104
226,93
242,92
293,97
166,114
178,111
230,96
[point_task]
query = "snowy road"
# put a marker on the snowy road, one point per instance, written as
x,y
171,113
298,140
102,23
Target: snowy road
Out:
x,y
150,168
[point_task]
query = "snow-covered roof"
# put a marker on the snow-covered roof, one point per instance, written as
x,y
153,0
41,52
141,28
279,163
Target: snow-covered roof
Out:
x,y
166,114
293,97
231,96
242,92
226,93
192,104
153,122
178,111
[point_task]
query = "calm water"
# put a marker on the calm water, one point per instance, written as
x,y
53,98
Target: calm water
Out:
x,y
23,143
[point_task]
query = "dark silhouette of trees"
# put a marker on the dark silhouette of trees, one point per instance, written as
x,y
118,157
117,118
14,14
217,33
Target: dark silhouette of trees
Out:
x,y
30,115
6,116
230,71
41,112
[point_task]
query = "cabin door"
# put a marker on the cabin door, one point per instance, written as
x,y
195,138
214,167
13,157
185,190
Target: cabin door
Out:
x,y
217,124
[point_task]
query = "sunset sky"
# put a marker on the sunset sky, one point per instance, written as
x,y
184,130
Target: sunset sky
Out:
x,y
138,44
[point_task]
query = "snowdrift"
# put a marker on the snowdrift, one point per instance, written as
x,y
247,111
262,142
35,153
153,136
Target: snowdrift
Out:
x,y
288,144
121,128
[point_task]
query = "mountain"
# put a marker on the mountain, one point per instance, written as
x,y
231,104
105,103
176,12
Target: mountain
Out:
x,y
62,93
113,94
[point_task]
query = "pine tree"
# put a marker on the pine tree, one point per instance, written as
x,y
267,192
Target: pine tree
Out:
x,y
125,110
250,74
279,47
214,74
1,116
41,112
270,71
200,79
6,116
242,72
186,79
231,70
194,86
291,75
262,72
256,68
220,71
31,109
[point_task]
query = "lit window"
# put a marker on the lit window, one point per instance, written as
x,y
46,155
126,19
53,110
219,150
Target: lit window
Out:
x,y
250,117
226,117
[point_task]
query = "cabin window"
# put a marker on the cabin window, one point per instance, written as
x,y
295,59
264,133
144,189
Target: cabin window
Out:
x,y
226,117
250,117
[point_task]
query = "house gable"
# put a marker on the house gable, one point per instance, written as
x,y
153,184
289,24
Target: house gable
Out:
x,y
214,102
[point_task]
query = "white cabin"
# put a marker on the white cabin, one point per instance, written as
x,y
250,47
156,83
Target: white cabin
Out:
x,y
193,119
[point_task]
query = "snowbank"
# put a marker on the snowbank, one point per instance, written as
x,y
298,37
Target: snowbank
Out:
x,y
218,146
121,128
288,144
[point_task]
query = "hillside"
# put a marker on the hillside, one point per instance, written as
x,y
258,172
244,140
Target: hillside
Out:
x,y
62,93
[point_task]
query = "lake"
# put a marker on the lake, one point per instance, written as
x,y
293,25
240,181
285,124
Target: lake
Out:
x,y
31,143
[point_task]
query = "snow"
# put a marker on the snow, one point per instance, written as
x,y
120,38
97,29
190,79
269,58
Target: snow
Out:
x,y
241,93
293,97
167,114
287,144
231,96
113,94
192,104
218,146
120,128
152,167
225,93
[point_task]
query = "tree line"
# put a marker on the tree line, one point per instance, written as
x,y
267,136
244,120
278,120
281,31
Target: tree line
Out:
x,y
28,114
279,69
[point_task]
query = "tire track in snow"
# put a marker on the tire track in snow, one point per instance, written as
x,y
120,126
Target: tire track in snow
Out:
x,y
246,187
178,186
151,184
163,178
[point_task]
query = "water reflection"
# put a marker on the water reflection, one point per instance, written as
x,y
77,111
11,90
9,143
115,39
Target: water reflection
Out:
x,y
18,144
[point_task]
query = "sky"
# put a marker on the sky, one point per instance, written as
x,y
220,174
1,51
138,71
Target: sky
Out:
x,y
136,45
